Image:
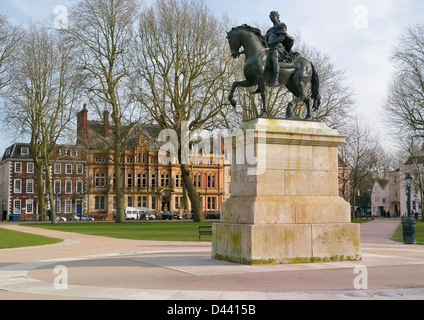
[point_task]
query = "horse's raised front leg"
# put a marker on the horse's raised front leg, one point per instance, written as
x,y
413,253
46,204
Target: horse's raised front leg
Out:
x,y
243,84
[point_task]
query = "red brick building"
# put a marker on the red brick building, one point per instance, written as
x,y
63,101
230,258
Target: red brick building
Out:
x,y
150,179
18,181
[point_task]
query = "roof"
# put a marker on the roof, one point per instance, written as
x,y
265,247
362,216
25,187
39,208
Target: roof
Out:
x,y
416,159
15,151
382,182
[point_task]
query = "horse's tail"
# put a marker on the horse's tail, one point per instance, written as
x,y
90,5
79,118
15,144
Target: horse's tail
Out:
x,y
315,89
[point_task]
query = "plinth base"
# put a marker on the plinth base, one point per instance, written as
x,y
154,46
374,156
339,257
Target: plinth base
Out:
x,y
285,205
285,243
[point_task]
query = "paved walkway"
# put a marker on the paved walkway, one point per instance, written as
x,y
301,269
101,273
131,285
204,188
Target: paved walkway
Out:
x,y
105,268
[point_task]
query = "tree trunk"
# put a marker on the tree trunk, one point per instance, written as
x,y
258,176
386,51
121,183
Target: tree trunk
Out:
x,y
119,186
185,197
40,191
353,203
49,186
196,206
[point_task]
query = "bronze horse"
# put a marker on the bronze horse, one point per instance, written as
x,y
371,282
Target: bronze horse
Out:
x,y
258,72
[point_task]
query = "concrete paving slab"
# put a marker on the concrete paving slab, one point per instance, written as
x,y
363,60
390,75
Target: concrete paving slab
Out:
x,y
105,268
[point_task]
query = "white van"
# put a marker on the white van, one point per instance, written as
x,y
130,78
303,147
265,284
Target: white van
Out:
x,y
134,213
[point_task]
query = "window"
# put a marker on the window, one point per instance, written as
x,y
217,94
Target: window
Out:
x,y
100,179
74,153
144,202
153,180
99,203
144,181
211,203
130,201
153,202
68,206
57,168
18,167
80,187
68,186
68,168
30,186
56,189
30,167
63,152
178,202
177,181
211,181
80,169
17,186
197,180
24,151
129,180
29,206
164,180
17,206
57,204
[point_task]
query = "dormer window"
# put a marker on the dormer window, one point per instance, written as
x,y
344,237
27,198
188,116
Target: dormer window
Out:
x,y
24,151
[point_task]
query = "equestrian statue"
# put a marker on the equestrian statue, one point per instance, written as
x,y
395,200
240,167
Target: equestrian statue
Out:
x,y
269,61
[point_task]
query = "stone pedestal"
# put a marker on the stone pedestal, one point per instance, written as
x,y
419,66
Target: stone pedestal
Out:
x,y
285,205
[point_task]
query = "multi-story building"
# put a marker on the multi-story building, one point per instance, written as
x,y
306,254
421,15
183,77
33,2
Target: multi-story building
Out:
x,y
18,181
151,179
380,202
83,176
390,195
386,195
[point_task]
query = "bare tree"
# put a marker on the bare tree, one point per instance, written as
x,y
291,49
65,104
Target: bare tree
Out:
x,y
359,155
404,105
183,72
41,99
413,149
103,31
10,37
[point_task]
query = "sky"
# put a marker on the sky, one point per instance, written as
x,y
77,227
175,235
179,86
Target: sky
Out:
x,y
358,35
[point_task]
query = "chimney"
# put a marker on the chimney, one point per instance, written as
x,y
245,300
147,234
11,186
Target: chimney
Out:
x,y
106,123
82,127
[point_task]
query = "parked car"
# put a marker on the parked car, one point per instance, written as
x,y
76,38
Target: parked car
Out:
x,y
149,216
165,215
77,217
63,219
176,217
135,213
213,215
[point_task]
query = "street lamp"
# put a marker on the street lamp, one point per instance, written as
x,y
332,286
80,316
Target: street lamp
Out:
x,y
408,180
409,234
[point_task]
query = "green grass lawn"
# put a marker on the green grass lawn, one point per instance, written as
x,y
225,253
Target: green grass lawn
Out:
x,y
419,229
161,231
14,239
